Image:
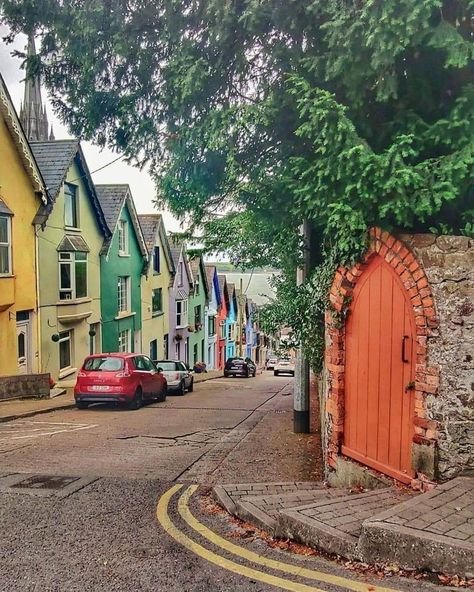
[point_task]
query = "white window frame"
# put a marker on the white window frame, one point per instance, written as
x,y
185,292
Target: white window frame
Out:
x,y
123,242
160,310
180,273
75,203
182,315
125,341
121,301
67,336
223,333
8,245
156,260
69,258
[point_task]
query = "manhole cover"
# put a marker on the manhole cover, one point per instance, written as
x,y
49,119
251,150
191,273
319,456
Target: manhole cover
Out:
x,y
44,482
44,485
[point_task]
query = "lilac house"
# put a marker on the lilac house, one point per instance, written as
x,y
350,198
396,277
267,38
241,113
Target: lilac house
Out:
x,y
178,336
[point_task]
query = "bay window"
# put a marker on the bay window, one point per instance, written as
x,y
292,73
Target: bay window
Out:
x,y
5,245
123,293
181,313
72,275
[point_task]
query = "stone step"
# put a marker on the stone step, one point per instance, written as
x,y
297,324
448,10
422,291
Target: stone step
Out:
x,y
334,523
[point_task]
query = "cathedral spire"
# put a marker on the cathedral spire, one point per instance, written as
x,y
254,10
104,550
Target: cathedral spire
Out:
x,y
33,116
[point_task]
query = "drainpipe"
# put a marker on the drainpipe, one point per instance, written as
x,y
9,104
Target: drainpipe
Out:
x,y
301,423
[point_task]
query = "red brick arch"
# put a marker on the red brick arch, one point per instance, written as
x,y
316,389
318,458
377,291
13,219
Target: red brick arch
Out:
x,y
415,282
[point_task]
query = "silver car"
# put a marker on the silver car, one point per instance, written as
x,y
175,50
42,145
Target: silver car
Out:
x,y
284,366
177,375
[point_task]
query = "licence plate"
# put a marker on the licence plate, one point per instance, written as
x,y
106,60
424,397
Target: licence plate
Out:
x,y
235,367
99,387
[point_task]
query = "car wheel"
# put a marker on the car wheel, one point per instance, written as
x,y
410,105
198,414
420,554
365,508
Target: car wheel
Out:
x,y
162,396
275,373
81,405
137,401
226,375
182,389
247,374
191,386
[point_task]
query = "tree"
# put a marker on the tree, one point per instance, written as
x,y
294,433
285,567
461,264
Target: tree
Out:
x,y
256,114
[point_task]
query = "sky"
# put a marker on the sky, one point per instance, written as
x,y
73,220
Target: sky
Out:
x,y
141,184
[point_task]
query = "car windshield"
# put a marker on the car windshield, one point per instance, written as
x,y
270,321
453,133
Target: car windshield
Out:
x,y
167,366
103,364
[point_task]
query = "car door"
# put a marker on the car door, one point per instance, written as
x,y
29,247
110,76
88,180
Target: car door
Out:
x,y
156,379
144,375
185,374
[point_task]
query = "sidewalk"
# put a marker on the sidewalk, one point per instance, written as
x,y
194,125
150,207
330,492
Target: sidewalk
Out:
x,y
22,408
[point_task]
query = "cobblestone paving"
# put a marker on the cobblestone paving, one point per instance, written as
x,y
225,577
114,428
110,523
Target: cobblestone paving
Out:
x,y
347,513
446,511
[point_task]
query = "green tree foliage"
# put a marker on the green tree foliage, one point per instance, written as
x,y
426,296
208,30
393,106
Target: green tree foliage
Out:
x,y
254,115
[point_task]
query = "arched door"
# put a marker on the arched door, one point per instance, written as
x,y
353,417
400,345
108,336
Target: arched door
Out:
x,y
379,373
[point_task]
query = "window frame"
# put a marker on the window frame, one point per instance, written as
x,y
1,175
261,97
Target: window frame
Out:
x,y
159,311
180,274
123,238
8,245
121,342
75,203
183,313
156,260
211,326
67,338
127,293
69,259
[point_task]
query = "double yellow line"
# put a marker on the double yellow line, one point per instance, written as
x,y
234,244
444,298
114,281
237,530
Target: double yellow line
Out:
x,y
248,572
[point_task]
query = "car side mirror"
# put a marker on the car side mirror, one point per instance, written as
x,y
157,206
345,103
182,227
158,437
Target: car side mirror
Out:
x,y
159,369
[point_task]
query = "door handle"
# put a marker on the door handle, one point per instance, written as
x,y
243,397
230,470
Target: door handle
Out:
x,y
404,340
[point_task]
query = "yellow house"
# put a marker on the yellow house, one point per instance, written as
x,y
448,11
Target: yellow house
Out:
x,y
22,193
156,283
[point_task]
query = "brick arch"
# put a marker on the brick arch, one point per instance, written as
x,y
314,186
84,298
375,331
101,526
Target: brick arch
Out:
x,y
410,271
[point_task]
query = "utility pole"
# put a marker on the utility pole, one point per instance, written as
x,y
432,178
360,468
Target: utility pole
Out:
x,y
301,424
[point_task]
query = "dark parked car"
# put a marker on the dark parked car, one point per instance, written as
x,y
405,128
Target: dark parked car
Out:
x,y
178,376
240,367
118,378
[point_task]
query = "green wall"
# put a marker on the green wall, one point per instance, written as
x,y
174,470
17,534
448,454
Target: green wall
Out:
x,y
112,266
197,337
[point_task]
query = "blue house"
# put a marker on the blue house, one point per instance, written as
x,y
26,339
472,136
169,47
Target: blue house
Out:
x,y
250,337
231,322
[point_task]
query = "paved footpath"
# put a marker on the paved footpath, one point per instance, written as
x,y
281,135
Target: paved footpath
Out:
x,y
109,500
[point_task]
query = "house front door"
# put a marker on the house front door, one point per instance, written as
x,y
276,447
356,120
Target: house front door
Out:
x,y
379,373
23,334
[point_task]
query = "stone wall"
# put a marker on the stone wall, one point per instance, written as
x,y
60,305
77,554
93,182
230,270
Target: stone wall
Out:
x,y
448,262
24,386
438,274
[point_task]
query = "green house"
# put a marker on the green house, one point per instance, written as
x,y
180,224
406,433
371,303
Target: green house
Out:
x,y
198,301
122,263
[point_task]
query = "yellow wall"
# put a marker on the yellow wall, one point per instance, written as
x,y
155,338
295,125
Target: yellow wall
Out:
x,y
155,327
51,306
17,191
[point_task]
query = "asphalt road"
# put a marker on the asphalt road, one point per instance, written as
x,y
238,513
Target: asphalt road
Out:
x,y
116,513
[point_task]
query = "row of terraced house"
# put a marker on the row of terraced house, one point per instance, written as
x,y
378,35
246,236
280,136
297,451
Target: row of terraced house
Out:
x,y
81,272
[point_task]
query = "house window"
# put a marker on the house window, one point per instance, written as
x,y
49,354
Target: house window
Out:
x,y
65,350
177,351
181,313
5,245
123,237
196,289
125,341
229,332
157,301
72,275
195,353
70,206
165,347
123,293
156,260
197,315
211,325
180,273
222,332
154,349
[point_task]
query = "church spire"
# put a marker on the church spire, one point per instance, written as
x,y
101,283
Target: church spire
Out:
x,y
33,116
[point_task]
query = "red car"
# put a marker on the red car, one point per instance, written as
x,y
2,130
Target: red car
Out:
x,y
119,378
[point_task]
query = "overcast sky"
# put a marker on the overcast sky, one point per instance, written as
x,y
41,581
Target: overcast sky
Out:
x,y
143,189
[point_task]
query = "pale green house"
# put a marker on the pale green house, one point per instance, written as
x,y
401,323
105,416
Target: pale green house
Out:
x,y
69,244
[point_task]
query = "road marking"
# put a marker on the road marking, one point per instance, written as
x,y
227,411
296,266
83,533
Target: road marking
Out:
x,y
36,429
264,561
222,562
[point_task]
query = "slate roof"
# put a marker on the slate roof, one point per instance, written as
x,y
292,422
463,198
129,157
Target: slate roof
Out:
x,y
176,243
112,198
54,160
4,209
223,287
150,225
195,263
210,271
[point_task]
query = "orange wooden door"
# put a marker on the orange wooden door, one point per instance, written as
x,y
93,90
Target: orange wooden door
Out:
x,y
380,365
